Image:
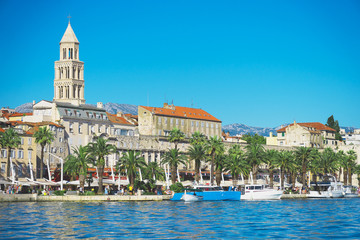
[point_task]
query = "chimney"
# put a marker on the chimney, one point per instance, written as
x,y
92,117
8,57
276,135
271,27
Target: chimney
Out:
x,y
119,114
34,102
271,134
100,105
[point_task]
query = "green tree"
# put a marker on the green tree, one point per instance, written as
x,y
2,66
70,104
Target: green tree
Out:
x,y
285,161
271,157
254,156
351,155
197,152
236,164
214,146
131,161
219,166
198,138
154,171
328,162
77,163
43,136
342,161
174,158
99,150
250,138
334,124
176,136
304,155
9,139
357,172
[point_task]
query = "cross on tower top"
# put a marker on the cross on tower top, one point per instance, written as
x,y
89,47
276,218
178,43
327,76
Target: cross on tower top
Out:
x,y
69,17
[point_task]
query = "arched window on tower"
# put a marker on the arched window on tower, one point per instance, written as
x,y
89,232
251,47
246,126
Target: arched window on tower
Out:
x,y
74,72
75,53
68,72
64,53
79,89
71,53
78,73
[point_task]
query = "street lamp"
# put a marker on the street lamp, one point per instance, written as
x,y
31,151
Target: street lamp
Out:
x,y
62,170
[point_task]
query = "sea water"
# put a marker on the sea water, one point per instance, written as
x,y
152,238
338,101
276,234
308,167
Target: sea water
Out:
x,y
308,219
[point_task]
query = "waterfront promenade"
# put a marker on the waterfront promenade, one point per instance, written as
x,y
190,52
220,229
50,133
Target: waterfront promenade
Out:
x,y
99,198
80,198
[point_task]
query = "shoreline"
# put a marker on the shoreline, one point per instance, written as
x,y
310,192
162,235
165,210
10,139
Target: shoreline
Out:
x,y
80,198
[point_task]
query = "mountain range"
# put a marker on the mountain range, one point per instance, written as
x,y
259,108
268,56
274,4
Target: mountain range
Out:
x,y
234,129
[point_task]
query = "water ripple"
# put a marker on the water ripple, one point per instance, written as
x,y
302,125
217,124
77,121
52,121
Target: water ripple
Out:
x,y
308,219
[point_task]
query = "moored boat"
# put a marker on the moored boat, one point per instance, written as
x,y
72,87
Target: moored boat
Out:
x,y
328,188
192,196
260,192
210,193
350,192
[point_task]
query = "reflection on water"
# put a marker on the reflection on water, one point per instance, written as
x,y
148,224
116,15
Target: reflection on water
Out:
x,y
316,219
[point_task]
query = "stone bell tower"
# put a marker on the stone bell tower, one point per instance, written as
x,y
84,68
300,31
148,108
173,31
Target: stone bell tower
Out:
x,y
69,71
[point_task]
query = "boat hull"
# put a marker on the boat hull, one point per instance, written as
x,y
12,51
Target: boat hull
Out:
x,y
318,194
212,196
191,198
262,195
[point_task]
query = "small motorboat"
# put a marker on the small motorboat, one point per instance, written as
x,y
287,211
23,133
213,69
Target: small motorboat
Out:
x,y
260,192
191,196
350,192
328,188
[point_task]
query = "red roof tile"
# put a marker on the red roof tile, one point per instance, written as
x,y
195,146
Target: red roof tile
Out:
x,y
318,126
115,119
2,130
21,114
183,112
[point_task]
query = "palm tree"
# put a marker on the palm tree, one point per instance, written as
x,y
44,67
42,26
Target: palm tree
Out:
x,y
271,157
328,161
43,136
342,161
284,162
154,171
174,158
352,164
198,138
219,165
254,156
131,161
197,152
77,163
304,155
176,136
9,139
236,164
99,150
213,147
357,171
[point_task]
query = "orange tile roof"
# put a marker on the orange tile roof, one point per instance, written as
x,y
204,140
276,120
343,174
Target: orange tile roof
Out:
x,y
183,112
318,126
119,120
21,114
36,124
2,130
131,116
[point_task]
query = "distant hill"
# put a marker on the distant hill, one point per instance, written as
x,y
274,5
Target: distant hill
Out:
x,y
240,129
109,107
125,108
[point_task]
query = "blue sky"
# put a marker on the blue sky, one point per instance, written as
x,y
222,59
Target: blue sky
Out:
x,y
261,63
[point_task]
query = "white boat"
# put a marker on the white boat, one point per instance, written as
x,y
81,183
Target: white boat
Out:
x,y
260,192
350,192
191,197
328,188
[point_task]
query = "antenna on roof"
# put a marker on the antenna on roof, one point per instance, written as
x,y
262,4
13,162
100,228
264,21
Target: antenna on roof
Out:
x,y
192,103
172,101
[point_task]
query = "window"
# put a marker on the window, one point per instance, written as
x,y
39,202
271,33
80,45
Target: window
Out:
x,y
3,165
159,120
29,154
12,154
212,125
29,140
71,127
216,125
177,121
22,141
207,124
171,121
182,122
165,120
283,134
202,124
20,154
3,153
159,132
192,123
61,139
60,129
80,128
197,124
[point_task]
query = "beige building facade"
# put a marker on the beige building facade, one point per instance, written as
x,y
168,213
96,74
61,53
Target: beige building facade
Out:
x,y
155,121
